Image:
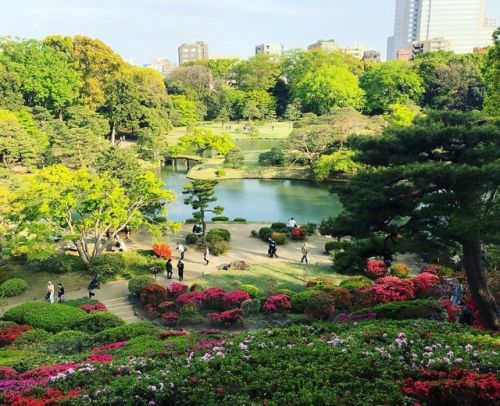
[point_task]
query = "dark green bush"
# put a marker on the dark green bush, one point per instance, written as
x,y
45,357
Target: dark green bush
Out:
x,y
32,337
68,343
218,234
279,238
279,226
109,265
80,301
274,157
356,282
191,239
240,220
126,332
18,313
60,263
13,287
310,228
265,233
218,247
137,284
98,321
251,306
254,233
299,300
410,309
220,218
332,246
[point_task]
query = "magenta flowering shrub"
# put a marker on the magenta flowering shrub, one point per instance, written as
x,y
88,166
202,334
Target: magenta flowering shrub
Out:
x,y
99,307
212,298
190,298
234,298
389,289
227,317
109,347
100,358
430,268
424,283
277,303
376,268
7,373
170,317
175,289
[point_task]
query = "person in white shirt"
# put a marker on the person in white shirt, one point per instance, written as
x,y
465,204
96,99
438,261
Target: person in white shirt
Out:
x,y
50,292
291,223
181,250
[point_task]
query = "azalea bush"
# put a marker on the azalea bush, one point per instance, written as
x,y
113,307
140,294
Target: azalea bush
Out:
x,y
424,283
400,270
228,317
98,307
171,318
234,298
299,233
319,306
376,268
162,250
277,303
389,289
213,298
190,298
10,332
175,289
153,295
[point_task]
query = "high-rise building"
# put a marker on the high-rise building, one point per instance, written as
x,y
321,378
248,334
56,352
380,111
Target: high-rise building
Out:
x,y
462,22
193,52
325,45
270,49
164,66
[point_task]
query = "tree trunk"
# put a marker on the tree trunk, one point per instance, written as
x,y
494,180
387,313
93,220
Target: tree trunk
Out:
x,y
203,225
478,284
83,254
113,133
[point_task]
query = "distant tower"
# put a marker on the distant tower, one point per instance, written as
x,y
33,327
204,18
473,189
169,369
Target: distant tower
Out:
x,y
270,49
193,52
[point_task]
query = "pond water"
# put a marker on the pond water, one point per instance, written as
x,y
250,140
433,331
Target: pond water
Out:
x,y
259,199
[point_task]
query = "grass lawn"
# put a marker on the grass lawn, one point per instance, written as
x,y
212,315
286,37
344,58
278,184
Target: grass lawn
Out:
x,y
268,277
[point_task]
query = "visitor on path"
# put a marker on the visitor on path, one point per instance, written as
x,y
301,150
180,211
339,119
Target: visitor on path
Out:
x,y
466,316
458,293
94,284
121,246
181,250
126,230
270,247
304,254
291,223
206,255
180,270
273,248
169,267
50,292
456,261
60,292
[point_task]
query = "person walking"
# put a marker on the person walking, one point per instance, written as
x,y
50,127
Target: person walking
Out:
x,y
60,292
181,250
456,261
270,248
94,284
458,293
180,270
50,292
206,255
169,267
304,254
274,249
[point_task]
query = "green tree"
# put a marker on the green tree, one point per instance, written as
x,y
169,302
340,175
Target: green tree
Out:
x,y
310,141
234,158
492,77
251,110
259,72
185,111
293,111
327,87
402,115
83,117
390,83
192,81
223,116
435,183
340,162
203,140
200,194
11,97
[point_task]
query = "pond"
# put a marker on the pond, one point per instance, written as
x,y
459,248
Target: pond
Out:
x,y
259,199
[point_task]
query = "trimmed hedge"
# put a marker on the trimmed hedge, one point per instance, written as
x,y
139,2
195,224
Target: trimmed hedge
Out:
x,y
68,343
218,234
137,284
32,337
13,287
191,239
240,220
356,282
109,265
81,301
98,321
252,290
410,309
265,233
220,218
279,238
126,332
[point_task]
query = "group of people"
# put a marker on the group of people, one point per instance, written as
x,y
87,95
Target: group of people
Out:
x,y
51,291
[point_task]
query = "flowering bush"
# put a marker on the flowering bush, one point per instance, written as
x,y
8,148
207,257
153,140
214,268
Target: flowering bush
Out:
x,y
424,282
109,347
376,268
9,333
235,298
170,317
458,386
162,250
100,358
319,305
175,289
153,295
342,318
389,289
319,282
173,333
212,298
451,310
47,398
342,298
400,270
190,298
93,307
164,307
277,303
430,268
299,233
227,317
7,373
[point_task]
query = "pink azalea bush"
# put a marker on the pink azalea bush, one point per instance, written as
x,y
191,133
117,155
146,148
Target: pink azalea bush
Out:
x,y
389,289
109,347
235,298
424,283
227,317
212,298
277,303
99,307
430,268
100,358
376,268
190,298
170,317
175,289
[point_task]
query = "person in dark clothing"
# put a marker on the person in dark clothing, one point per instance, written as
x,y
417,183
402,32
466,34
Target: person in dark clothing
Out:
x,y
270,249
94,284
169,267
274,249
466,316
180,270
60,292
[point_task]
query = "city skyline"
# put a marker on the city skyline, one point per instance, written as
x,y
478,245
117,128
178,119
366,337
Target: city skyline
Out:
x,y
155,28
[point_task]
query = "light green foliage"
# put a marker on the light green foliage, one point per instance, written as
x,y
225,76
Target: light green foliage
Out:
x,y
202,140
338,162
185,111
259,72
234,158
13,287
402,115
389,83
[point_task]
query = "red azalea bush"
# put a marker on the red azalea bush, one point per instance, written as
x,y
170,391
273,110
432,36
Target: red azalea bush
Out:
x,y
376,268
7,373
319,306
100,358
299,233
277,303
48,397
234,298
162,250
424,282
170,317
452,311
389,289
458,386
175,289
173,333
152,295
190,298
109,347
93,307
164,307
227,317
43,373
9,333
430,268
342,298
212,298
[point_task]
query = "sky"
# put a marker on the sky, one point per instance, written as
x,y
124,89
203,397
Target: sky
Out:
x,y
142,30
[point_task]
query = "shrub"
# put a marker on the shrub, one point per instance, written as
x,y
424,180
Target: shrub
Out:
x,y
68,342
227,317
285,291
424,282
189,311
60,263
171,318
310,228
190,298
162,250
98,321
13,287
240,220
342,298
265,233
274,157
235,298
220,173
50,317
279,238
81,301
299,299
277,303
299,233
9,333
252,290
4,323
430,268
218,234
251,306
220,218
376,268
319,282
356,282
212,298
319,306
390,289
332,246
191,239
234,158
31,337
98,307
137,284
109,265
153,294
126,332
400,270
7,373
254,233
218,247
410,309
175,289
